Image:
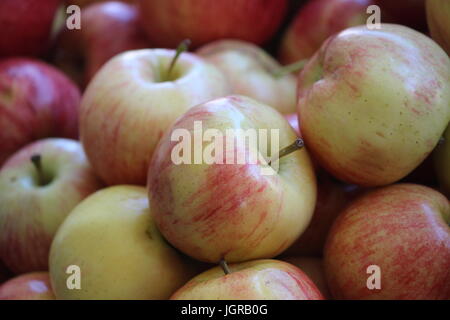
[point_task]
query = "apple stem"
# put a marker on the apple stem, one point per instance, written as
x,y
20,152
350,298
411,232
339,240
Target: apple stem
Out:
x,y
182,47
296,145
290,68
224,266
37,162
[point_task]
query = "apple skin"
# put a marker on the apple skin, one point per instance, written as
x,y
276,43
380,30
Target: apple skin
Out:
x,y
231,211
111,236
250,71
332,197
441,157
84,3
313,268
403,229
293,120
406,12
26,26
30,214
127,107
317,21
252,280
29,286
368,116
95,44
168,22
36,101
438,13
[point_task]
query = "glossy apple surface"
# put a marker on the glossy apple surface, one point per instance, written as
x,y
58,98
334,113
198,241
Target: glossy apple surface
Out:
x,y
35,203
231,211
167,22
26,26
36,101
253,73
254,280
111,236
404,230
29,286
130,103
317,21
374,103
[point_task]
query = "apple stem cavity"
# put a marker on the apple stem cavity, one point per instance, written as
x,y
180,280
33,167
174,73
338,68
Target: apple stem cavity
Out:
x,y
224,266
290,68
296,145
182,47
36,159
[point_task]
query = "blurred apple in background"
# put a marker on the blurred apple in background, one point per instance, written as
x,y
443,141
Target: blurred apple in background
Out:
x,y
26,26
407,12
313,268
39,186
167,22
112,238
442,162
315,22
253,280
403,229
29,286
108,28
438,17
84,3
36,101
374,104
332,197
231,211
253,72
132,100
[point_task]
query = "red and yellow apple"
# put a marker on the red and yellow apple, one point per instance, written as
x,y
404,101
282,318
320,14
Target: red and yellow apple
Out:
x,y
252,280
402,229
39,186
374,103
442,162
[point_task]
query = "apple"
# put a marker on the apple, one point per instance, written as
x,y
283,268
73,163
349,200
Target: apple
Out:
x,y
252,72
29,286
36,101
26,26
317,21
231,210
167,22
132,100
84,3
39,186
332,197
251,280
368,116
441,158
403,230
406,12
81,53
313,268
112,238
438,13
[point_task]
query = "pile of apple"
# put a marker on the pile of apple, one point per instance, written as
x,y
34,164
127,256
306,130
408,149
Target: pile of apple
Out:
x,y
92,205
